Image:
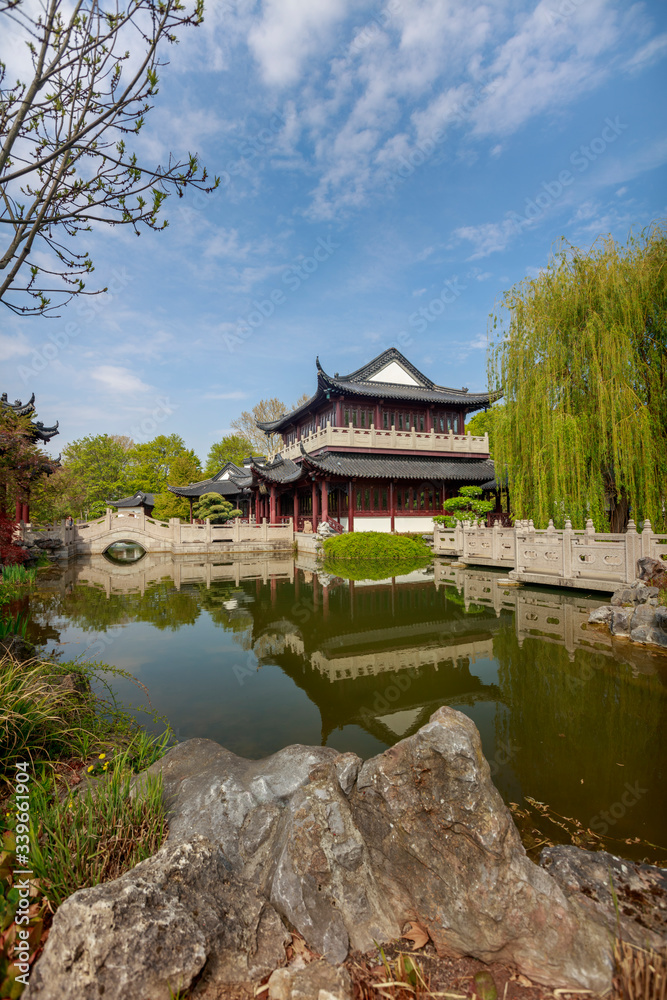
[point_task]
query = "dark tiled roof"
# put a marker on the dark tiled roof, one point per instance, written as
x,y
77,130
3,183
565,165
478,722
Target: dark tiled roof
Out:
x,y
224,487
281,470
138,500
39,431
358,383
402,467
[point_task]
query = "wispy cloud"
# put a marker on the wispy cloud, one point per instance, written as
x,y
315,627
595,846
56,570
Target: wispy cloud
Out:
x,y
115,379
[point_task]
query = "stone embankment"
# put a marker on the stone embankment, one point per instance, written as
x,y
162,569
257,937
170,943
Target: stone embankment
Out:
x,y
634,612
345,853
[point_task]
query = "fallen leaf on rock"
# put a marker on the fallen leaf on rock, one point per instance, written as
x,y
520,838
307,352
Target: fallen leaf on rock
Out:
x,y
521,979
417,934
298,952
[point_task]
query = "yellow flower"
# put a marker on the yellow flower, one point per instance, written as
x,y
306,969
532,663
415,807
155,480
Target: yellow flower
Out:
x,y
90,768
102,756
105,765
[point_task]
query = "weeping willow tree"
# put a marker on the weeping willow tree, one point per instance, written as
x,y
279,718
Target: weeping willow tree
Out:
x,y
580,353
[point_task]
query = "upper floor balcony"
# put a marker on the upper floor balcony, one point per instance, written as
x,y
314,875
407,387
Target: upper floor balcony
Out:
x,y
370,439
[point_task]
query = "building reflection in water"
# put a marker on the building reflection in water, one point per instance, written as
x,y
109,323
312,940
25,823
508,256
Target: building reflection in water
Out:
x,y
567,714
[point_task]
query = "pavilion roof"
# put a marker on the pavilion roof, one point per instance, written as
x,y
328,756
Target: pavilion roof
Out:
x,y
224,487
39,431
139,499
367,382
353,466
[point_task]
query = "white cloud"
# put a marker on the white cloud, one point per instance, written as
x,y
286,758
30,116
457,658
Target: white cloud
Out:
x,y
488,237
289,33
648,54
13,346
119,380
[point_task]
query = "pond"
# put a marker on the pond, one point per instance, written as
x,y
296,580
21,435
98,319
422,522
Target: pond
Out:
x,y
257,653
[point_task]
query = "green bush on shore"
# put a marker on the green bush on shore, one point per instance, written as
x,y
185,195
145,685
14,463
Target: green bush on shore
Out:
x,y
366,545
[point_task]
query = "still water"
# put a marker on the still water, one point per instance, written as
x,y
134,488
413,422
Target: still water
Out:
x,y
257,653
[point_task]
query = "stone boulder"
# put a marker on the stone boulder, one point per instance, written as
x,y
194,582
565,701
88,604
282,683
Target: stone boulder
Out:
x,y
341,851
640,890
652,572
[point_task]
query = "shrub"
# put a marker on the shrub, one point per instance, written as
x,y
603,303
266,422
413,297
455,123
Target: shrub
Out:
x,y
370,545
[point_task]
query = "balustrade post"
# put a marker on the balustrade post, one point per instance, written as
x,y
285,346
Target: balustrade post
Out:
x,y
486,441
495,542
632,550
350,434
209,531
236,529
265,530
647,535
107,519
568,538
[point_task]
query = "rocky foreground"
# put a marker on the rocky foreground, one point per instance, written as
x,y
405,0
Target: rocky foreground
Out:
x,y
345,853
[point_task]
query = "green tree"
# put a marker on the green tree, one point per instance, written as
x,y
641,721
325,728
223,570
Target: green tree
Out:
x,y
467,506
66,161
232,448
58,496
151,463
581,358
482,423
100,464
22,464
185,469
215,507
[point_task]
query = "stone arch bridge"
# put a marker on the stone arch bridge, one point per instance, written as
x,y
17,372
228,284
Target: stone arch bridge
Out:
x,y
95,537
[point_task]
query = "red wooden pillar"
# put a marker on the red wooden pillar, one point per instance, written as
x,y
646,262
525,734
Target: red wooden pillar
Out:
x,y
274,584
25,512
314,513
191,514
378,416
272,506
325,500
339,414
392,506
325,602
296,507
429,419
350,506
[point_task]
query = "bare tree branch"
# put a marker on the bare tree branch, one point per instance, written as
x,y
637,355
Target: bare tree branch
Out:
x,y
64,161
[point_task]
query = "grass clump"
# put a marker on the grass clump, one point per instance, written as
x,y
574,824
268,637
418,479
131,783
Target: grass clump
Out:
x,y
85,839
49,713
662,597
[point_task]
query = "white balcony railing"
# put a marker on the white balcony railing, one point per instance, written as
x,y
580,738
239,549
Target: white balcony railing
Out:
x,y
381,440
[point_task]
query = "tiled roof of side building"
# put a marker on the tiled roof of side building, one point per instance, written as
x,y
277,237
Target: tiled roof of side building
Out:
x,y
138,500
413,387
224,487
402,467
281,470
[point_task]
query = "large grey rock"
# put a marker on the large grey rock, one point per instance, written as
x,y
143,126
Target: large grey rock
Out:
x,y
156,928
344,853
601,616
643,615
620,621
640,890
445,848
652,571
625,596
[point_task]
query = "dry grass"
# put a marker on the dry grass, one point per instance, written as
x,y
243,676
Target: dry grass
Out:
x,y
640,974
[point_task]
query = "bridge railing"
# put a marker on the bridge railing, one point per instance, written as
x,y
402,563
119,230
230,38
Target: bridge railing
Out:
x,y
568,557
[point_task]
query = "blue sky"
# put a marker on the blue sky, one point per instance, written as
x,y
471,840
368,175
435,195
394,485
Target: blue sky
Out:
x,y
388,171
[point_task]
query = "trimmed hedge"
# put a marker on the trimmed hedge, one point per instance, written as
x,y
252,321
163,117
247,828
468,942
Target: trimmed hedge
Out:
x,y
367,545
